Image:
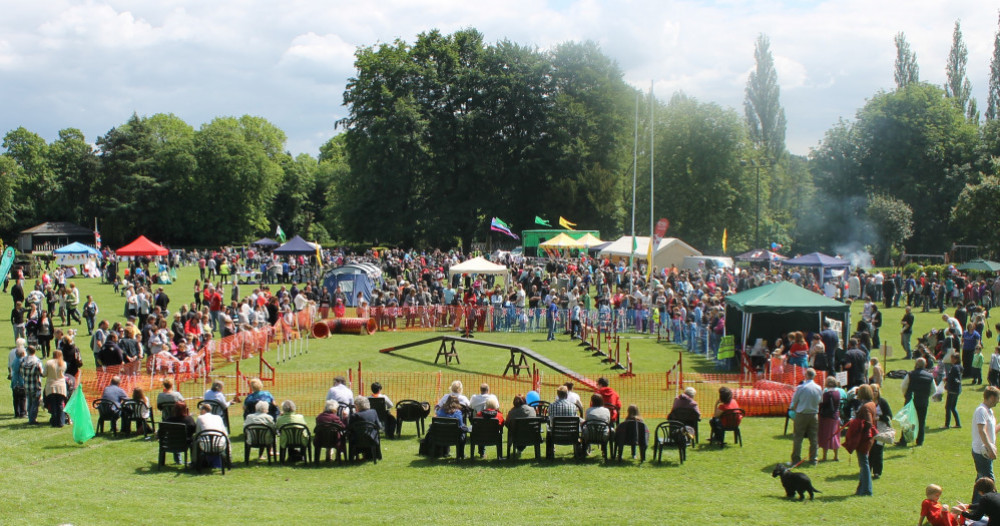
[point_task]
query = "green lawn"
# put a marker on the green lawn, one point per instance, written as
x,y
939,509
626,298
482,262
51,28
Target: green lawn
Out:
x,y
49,480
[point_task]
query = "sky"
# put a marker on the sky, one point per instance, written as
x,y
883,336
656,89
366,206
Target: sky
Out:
x,y
92,64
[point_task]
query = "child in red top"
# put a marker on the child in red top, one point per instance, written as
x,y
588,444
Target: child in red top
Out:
x,y
933,512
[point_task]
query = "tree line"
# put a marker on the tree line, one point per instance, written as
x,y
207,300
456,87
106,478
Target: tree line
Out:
x,y
446,132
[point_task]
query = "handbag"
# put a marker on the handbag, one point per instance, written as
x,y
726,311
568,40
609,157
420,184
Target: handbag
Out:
x,y
886,433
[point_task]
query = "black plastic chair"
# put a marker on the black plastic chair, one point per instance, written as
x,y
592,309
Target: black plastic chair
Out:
x,y
632,433
262,437
388,422
173,438
327,436
525,432
730,420
596,432
295,437
106,412
134,411
541,408
671,433
688,417
212,442
412,411
486,432
166,410
363,437
563,431
616,414
444,433
219,409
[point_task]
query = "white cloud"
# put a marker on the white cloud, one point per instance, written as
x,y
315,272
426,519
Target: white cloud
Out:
x,y
91,64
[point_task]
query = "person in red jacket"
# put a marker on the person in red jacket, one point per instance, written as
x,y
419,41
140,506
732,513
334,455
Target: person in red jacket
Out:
x,y
214,300
611,400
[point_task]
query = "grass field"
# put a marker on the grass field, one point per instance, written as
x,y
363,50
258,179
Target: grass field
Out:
x,y
47,479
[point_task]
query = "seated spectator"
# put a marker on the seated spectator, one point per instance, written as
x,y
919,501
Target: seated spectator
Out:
x,y
632,425
208,422
364,413
686,400
492,410
168,396
289,416
478,401
215,394
452,409
520,410
390,421
181,415
114,393
598,413
139,396
456,390
562,406
726,402
572,396
340,392
257,394
260,416
329,414
610,398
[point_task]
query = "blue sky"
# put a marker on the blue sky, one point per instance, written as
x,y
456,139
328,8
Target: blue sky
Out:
x,y
91,64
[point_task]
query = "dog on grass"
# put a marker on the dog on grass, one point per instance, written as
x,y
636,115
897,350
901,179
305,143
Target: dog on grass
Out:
x,y
794,482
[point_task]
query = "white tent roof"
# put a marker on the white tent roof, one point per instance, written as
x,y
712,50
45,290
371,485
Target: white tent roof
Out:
x,y
477,265
670,252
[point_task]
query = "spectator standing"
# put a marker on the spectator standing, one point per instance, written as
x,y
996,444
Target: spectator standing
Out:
x,y
31,373
805,404
918,386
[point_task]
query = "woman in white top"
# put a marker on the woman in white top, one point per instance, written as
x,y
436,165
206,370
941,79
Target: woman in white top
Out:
x,y
456,390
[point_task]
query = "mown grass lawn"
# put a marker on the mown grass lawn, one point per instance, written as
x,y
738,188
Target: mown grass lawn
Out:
x,y
47,479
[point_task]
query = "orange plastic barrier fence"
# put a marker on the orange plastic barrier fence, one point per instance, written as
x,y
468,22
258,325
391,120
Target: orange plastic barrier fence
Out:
x,y
324,328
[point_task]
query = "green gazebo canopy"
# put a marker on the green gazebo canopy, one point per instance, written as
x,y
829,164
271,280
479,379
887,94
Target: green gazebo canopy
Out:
x,y
980,265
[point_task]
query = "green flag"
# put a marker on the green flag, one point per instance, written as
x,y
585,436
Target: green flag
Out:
x,y
76,408
540,221
280,233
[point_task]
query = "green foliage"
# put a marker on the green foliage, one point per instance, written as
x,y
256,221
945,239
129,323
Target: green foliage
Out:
x,y
907,72
958,86
892,220
977,212
764,114
993,91
912,144
449,131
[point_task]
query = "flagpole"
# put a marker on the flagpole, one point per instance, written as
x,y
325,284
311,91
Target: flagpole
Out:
x,y
652,131
635,173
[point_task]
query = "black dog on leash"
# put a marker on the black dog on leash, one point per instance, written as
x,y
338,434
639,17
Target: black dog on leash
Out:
x,y
794,482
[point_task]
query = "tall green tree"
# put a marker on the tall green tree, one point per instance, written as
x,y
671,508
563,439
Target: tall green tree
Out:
x,y
907,71
958,86
912,144
35,185
764,114
697,154
976,214
76,168
237,177
993,93
892,222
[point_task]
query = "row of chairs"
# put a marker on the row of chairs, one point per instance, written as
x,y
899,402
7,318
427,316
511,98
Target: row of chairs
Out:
x,y
347,442
561,431
174,439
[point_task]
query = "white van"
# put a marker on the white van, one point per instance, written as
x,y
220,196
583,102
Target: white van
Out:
x,y
706,262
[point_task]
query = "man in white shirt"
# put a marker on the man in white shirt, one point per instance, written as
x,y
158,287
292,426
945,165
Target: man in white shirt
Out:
x,y
805,404
340,392
478,401
572,396
953,324
984,431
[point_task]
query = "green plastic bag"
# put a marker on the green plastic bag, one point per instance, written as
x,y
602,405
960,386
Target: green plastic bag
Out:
x,y
76,408
907,419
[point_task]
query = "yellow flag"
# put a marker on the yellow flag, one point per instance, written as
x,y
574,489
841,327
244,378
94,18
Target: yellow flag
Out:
x,y
566,224
649,260
725,231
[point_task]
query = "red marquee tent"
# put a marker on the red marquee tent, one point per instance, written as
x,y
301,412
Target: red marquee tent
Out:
x,y
142,246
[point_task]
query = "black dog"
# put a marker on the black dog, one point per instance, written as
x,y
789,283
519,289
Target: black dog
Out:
x,y
794,482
